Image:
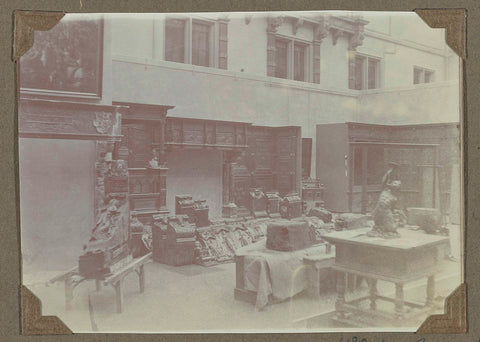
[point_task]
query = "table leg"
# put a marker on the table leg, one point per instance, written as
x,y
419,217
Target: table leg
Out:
x,y
97,285
399,301
118,295
239,272
352,280
141,278
340,301
430,290
373,293
68,293
314,282
328,248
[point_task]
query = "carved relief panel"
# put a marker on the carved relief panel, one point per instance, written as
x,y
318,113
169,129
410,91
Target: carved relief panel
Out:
x,y
140,139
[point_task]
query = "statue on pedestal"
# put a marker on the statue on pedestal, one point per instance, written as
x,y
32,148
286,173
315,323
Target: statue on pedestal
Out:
x,y
384,216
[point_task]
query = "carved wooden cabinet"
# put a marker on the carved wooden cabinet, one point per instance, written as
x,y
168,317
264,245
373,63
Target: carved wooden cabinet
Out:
x,y
353,157
268,158
143,147
148,191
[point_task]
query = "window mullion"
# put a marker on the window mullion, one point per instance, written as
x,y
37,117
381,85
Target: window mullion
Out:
x,y
291,66
309,63
189,40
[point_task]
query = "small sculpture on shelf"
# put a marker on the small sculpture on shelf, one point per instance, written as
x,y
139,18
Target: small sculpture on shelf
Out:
x,y
384,217
154,162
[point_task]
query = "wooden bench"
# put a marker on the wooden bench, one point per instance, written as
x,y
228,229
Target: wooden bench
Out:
x,y
72,279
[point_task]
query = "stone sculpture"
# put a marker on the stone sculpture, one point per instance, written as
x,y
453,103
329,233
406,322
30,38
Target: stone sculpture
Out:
x,y
384,213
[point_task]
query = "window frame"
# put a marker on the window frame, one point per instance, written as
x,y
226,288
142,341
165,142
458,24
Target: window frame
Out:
x,y
365,71
308,58
188,39
423,71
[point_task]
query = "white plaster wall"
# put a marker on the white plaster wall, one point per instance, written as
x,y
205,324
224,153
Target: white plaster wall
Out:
x,y
427,103
398,61
199,93
247,45
334,63
378,22
132,35
410,27
56,201
197,173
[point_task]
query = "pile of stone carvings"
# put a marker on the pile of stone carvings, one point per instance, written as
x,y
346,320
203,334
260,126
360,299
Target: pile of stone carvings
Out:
x,y
217,243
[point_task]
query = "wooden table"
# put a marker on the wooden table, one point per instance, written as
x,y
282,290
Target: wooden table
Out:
x,y
316,264
72,279
413,256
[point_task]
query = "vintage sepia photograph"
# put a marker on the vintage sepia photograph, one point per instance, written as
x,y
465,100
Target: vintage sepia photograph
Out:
x,y
241,172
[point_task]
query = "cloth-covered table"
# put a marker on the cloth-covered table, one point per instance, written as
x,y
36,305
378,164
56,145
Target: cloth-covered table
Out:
x,y
265,274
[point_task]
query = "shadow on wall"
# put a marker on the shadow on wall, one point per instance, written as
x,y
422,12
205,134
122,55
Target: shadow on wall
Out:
x,y
198,173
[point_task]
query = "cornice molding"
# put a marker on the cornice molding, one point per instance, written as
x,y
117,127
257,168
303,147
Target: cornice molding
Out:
x,y
337,26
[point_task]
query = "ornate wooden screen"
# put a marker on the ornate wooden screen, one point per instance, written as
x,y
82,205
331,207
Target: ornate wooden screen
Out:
x,y
271,162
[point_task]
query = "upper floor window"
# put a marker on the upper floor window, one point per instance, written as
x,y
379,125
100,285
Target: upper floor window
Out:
x,y
291,59
175,37
197,42
201,41
367,72
422,75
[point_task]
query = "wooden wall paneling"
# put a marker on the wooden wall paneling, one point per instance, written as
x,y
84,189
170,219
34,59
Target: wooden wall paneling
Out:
x,y
140,138
288,163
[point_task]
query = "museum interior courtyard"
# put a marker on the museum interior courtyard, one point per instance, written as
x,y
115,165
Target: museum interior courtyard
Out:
x,y
264,172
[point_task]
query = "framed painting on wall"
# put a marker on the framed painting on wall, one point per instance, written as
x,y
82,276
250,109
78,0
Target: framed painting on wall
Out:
x,y
65,61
